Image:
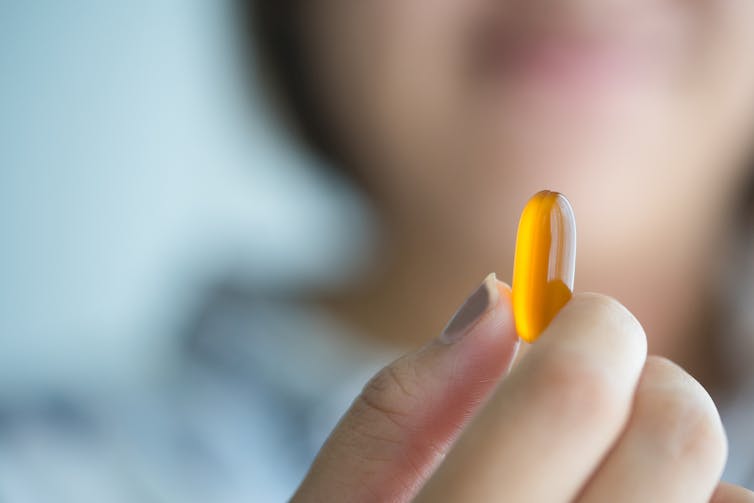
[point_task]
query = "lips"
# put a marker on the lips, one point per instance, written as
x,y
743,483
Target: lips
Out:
x,y
580,56
563,61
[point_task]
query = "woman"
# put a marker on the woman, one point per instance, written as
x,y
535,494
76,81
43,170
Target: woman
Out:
x,y
450,115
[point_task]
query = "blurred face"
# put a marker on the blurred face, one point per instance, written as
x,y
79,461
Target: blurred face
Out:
x,y
641,111
460,108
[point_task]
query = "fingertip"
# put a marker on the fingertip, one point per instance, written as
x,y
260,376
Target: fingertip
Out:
x,y
608,307
505,296
489,348
601,317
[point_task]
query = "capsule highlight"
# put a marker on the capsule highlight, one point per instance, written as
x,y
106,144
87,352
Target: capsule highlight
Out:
x,y
544,264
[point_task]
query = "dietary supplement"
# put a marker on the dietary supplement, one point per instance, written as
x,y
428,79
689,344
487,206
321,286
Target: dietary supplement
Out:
x,y
544,264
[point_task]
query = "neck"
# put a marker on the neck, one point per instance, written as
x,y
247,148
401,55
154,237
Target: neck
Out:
x,y
419,281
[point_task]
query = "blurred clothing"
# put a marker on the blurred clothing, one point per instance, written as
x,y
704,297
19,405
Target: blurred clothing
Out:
x,y
253,394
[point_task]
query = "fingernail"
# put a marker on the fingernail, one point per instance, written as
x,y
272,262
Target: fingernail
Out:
x,y
478,303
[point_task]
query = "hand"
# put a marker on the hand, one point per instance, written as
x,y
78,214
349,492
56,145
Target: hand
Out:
x,y
584,416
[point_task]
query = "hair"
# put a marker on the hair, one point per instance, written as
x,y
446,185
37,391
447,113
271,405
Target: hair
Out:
x,y
272,32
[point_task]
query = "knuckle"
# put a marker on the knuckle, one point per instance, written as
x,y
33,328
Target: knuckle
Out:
x,y
391,394
379,422
678,414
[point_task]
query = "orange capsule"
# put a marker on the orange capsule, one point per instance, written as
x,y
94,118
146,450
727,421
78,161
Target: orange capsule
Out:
x,y
544,264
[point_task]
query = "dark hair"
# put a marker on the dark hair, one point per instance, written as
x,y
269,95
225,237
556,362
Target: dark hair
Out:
x,y
272,30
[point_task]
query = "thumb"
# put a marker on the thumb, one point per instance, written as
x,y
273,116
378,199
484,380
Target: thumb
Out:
x,y
407,416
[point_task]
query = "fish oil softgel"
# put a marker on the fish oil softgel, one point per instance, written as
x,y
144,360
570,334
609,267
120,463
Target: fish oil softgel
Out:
x,y
544,263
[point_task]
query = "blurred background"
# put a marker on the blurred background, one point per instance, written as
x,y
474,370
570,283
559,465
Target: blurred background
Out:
x,y
140,170
140,177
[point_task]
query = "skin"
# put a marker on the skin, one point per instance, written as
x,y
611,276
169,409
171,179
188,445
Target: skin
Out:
x,y
454,112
